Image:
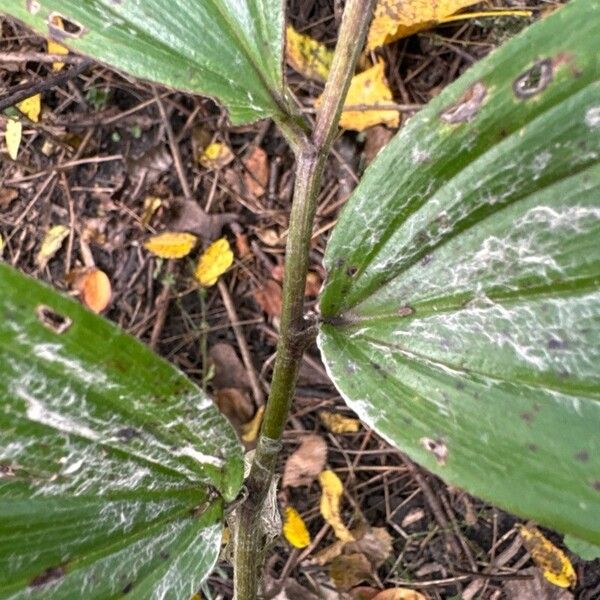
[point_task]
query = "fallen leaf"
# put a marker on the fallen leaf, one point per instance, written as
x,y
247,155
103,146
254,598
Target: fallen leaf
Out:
x,y
554,563
171,244
307,56
94,287
330,504
7,197
294,528
291,590
256,175
228,368
327,554
394,19
375,139
363,592
12,137
150,165
269,298
151,205
337,423
533,586
55,47
241,245
349,570
187,215
236,405
269,237
313,285
31,107
375,543
1,246
216,156
215,260
306,462
369,88
250,430
51,244
399,594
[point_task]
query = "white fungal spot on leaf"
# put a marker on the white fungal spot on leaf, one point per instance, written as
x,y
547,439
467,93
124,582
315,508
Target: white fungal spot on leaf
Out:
x,y
437,448
467,107
592,117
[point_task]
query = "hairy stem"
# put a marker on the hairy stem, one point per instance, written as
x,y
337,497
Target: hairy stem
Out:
x,y
311,155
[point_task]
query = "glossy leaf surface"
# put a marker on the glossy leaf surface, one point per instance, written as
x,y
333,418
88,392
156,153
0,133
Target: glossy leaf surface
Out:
x,y
228,49
114,467
462,310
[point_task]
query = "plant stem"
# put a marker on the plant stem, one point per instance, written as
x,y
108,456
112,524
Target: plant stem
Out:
x,y
311,155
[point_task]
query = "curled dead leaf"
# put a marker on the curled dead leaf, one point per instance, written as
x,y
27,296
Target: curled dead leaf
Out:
x,y
332,491
306,462
268,297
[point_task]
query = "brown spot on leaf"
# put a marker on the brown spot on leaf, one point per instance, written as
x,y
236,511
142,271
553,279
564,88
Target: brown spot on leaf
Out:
x,y
405,311
556,344
527,417
437,448
48,576
533,81
596,485
52,320
467,107
68,28
532,447
583,456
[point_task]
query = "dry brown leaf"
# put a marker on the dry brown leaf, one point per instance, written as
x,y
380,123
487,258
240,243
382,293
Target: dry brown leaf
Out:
x,y
394,19
51,244
399,594
554,563
534,587
375,543
368,89
338,423
94,288
307,56
327,554
241,245
332,492
268,297
376,138
228,368
363,592
250,430
236,405
256,175
349,570
269,237
7,197
313,285
306,462
171,244
187,215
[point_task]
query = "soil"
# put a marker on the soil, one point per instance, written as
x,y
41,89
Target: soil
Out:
x,y
102,149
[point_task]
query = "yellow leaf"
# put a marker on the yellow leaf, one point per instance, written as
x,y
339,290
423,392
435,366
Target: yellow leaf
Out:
x,y
216,156
12,136
151,205
171,244
31,107
553,562
368,89
51,244
307,56
330,504
337,423
251,428
394,19
294,528
55,47
217,258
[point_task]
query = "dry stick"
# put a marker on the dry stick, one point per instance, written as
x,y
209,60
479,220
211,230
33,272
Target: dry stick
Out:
x,y
311,155
257,391
162,304
41,86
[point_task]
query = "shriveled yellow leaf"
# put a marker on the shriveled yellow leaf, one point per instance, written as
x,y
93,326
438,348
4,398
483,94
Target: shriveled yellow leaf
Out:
x,y
171,244
51,244
250,430
394,19
31,107
55,47
368,89
294,528
337,423
554,563
217,258
330,504
307,56
12,136
216,156
151,205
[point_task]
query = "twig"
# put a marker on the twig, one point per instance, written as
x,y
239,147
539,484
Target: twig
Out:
x,y
162,304
48,83
20,57
257,391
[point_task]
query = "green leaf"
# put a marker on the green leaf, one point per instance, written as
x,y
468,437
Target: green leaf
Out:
x,y
114,467
462,308
583,549
228,49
